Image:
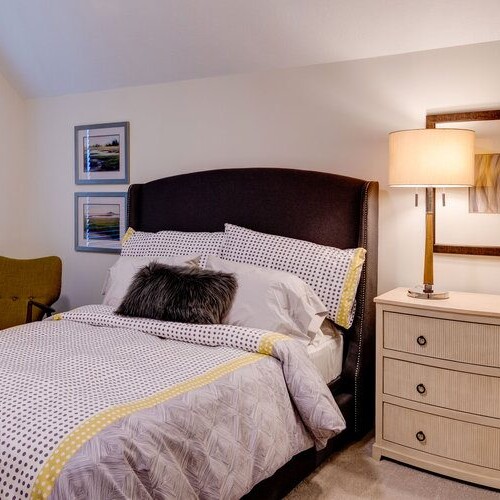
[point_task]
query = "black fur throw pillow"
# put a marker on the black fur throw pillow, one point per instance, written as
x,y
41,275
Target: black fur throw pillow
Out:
x,y
184,294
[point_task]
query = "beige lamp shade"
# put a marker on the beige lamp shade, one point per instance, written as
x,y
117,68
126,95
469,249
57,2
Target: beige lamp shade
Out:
x,y
431,158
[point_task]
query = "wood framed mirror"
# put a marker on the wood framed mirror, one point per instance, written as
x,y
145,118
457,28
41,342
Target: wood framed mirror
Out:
x,y
470,222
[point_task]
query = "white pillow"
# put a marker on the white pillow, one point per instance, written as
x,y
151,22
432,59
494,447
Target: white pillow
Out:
x,y
332,273
171,244
121,274
272,300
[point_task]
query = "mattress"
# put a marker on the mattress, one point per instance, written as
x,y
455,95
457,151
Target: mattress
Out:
x,y
327,356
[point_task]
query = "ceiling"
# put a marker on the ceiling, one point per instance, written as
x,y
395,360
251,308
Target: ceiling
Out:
x,y
54,47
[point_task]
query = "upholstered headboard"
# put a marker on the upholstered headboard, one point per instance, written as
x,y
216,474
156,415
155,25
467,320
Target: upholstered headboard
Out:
x,y
323,208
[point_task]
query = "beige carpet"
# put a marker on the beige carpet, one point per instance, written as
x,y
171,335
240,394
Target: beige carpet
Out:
x,y
353,473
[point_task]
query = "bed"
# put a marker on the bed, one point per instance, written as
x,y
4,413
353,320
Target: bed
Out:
x,y
50,449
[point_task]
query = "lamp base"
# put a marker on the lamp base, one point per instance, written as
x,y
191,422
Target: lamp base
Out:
x,y
419,292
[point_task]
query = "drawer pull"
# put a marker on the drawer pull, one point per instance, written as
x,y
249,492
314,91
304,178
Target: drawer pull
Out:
x,y
421,340
421,389
420,436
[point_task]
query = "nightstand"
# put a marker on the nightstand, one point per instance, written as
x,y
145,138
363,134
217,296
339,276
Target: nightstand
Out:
x,y
438,384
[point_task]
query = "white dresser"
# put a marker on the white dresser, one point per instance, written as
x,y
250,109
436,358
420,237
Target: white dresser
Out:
x,y
438,384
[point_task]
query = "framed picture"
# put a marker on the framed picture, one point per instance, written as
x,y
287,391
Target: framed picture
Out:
x,y
476,231
102,153
100,221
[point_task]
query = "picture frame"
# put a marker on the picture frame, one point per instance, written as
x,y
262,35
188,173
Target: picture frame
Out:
x,y
102,153
100,221
480,229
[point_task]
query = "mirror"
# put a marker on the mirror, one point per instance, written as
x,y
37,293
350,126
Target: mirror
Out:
x,y
470,221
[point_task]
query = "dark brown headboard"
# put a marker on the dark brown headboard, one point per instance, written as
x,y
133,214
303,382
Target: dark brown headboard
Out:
x,y
323,208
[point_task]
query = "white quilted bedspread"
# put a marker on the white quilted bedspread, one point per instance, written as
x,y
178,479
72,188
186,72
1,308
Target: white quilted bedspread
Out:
x,y
95,405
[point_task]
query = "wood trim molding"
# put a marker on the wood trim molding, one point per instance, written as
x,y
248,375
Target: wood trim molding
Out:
x,y
469,116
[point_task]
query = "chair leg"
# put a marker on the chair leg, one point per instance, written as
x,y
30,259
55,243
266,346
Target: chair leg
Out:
x,y
46,310
29,312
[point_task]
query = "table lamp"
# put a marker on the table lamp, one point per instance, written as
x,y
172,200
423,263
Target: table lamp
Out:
x,y
431,158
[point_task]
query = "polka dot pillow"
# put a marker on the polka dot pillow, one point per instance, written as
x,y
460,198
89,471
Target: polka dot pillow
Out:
x,y
331,272
171,244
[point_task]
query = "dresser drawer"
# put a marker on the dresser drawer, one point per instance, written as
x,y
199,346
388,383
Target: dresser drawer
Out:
x,y
440,436
463,341
456,390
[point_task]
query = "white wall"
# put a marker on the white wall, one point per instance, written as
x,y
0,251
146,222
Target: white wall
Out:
x,y
14,209
333,118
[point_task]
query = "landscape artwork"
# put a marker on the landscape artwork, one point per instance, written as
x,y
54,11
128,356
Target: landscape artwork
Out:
x,y
102,153
100,221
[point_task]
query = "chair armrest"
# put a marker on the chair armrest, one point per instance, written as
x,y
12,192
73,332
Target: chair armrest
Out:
x,y
46,309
